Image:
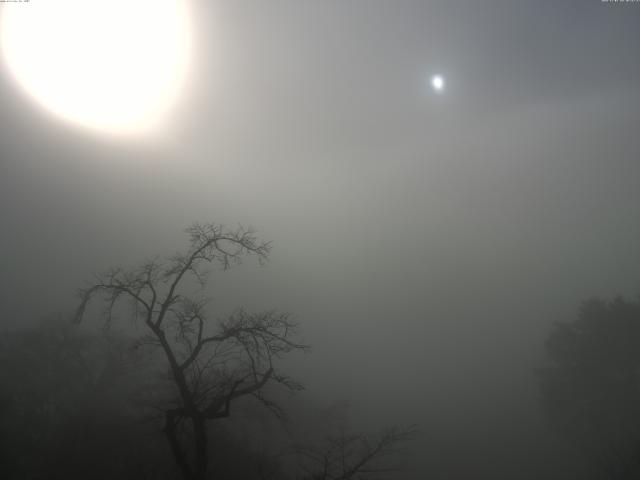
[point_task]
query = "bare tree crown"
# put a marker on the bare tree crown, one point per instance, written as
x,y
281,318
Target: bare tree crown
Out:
x,y
212,362
348,456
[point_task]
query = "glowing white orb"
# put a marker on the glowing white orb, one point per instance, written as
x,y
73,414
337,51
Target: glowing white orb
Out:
x,y
437,82
113,65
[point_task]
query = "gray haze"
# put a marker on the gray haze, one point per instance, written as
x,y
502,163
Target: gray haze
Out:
x,y
425,242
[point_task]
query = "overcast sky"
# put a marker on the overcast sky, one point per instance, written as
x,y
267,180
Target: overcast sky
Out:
x,y
425,241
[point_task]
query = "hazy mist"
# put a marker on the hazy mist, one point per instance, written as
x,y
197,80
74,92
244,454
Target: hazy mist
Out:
x,y
426,243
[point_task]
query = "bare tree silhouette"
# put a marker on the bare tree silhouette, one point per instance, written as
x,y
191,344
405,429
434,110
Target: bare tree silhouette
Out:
x,y
211,362
347,456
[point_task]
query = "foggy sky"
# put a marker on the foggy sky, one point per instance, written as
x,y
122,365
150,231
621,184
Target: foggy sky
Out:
x,y
425,242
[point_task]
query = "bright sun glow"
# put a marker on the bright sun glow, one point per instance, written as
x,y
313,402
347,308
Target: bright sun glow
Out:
x,y
113,65
437,82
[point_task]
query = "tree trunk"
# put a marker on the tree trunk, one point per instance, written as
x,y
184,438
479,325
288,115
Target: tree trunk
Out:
x,y
178,454
200,438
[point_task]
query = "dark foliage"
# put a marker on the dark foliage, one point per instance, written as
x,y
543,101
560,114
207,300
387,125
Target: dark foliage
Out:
x,y
64,408
591,392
